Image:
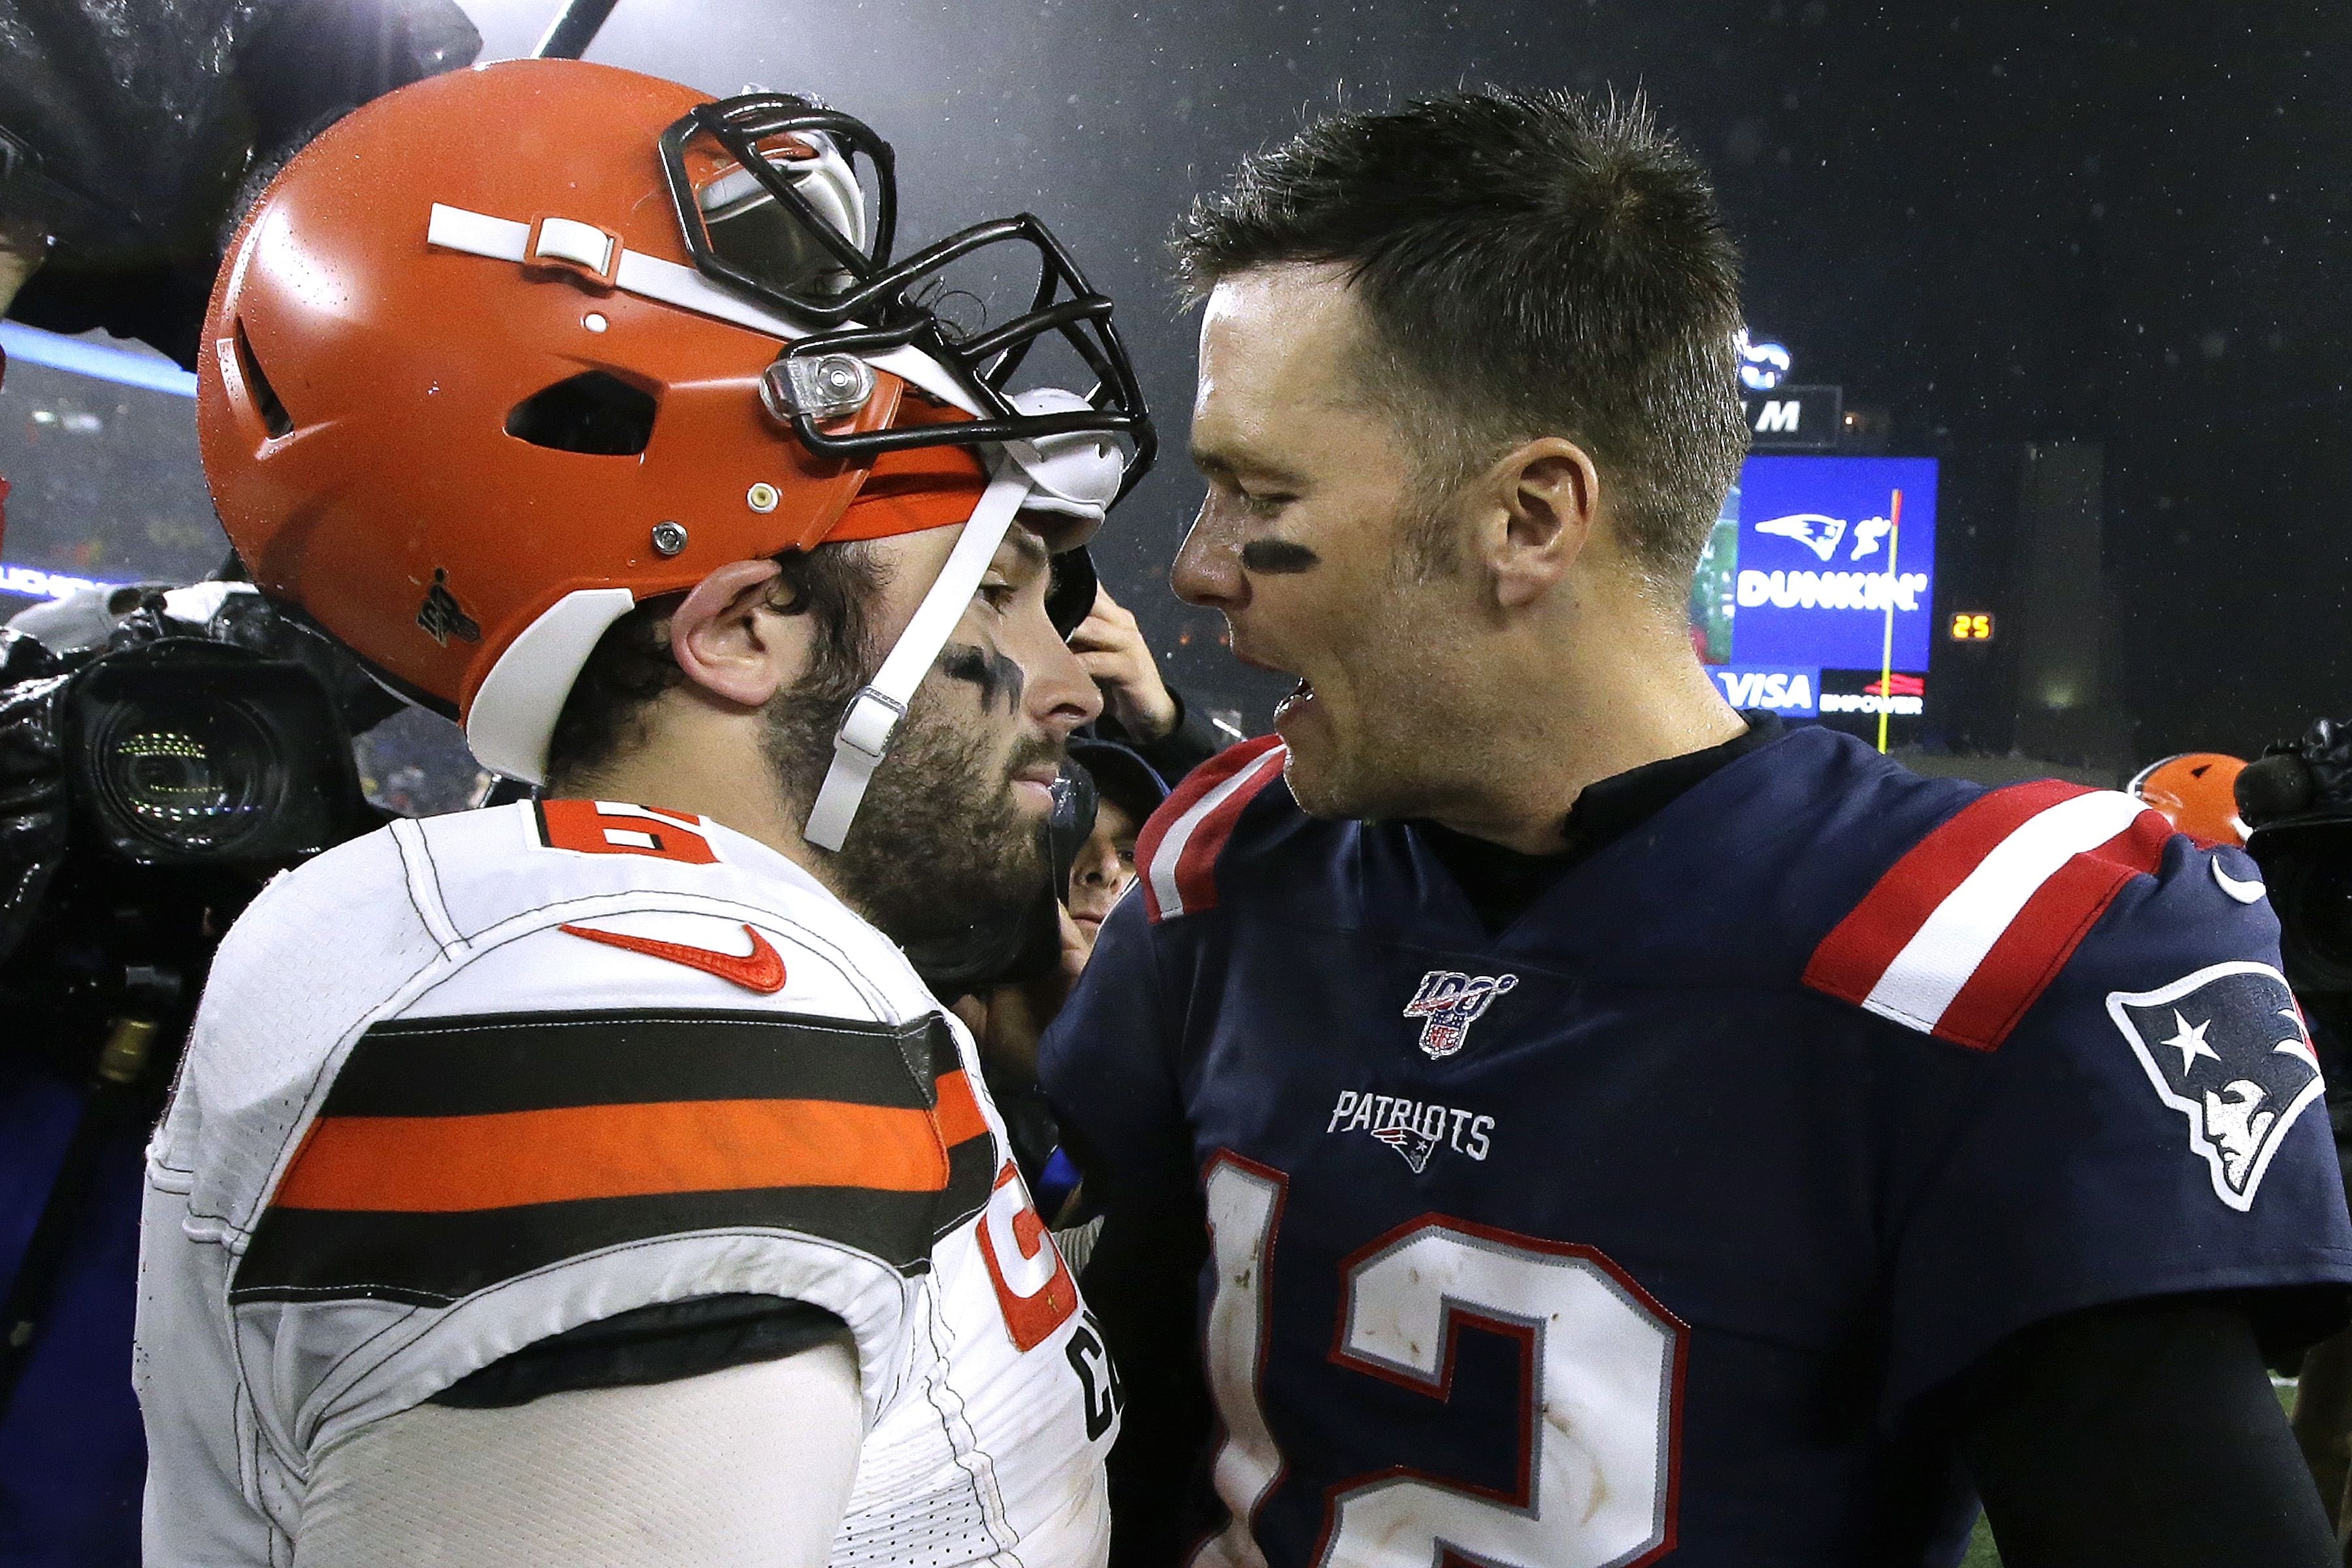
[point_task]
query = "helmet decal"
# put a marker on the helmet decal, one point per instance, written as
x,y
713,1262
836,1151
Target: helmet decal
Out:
x,y
441,618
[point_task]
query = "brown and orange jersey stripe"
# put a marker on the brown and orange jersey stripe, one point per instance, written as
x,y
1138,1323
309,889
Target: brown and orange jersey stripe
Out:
x,y
452,1154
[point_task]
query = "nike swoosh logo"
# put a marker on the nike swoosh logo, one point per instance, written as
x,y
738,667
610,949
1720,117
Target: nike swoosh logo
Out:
x,y
2245,892
760,970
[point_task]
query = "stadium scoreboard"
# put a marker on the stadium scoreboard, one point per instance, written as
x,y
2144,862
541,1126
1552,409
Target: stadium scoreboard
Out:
x,y
1815,593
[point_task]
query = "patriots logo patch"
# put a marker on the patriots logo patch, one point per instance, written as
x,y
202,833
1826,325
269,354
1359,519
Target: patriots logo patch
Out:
x,y
2227,1048
1449,1002
1410,1142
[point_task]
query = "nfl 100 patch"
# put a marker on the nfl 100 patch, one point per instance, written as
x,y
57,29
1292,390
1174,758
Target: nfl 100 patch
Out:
x,y
1449,1002
2226,1048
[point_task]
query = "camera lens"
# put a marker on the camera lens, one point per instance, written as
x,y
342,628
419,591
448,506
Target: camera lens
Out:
x,y
195,779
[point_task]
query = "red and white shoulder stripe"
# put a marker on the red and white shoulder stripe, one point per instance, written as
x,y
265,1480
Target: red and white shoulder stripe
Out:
x,y
1178,849
1964,933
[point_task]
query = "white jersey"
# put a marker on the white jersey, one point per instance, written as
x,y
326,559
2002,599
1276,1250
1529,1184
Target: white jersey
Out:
x,y
469,1082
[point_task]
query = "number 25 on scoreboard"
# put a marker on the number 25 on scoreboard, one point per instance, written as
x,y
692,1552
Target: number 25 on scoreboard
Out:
x,y
1971,625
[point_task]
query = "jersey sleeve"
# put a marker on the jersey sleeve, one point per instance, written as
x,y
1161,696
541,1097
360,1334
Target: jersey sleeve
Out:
x,y
569,1131
2148,1120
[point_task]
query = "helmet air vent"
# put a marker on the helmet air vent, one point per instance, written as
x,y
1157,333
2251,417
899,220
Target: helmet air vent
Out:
x,y
274,416
596,413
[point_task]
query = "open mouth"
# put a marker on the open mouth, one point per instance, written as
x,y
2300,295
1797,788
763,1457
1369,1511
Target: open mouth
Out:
x,y
1303,693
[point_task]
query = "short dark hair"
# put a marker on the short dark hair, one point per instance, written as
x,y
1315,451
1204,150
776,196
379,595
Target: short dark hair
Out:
x,y
1532,263
632,664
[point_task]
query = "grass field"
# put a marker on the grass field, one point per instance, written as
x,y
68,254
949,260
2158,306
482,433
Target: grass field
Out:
x,y
1981,1550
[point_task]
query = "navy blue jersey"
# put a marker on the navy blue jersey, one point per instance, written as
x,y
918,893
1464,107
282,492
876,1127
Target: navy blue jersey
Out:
x,y
1653,1223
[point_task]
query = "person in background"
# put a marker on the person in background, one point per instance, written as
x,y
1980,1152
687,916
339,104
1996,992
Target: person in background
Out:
x,y
2197,792
1147,737
1007,1020
1129,790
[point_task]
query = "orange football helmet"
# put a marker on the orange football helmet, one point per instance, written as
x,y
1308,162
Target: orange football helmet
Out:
x,y
504,353
2196,792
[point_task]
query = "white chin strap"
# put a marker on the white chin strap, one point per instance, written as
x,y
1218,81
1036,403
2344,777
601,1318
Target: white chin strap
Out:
x,y
1074,477
864,739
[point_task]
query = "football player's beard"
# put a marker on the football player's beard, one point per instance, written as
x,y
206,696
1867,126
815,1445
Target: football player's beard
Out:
x,y
939,843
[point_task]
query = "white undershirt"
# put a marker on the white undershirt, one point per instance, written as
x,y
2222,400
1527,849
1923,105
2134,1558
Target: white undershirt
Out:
x,y
751,1465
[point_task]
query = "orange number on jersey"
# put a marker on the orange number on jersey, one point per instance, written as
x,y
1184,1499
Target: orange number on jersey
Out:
x,y
1032,1284
609,828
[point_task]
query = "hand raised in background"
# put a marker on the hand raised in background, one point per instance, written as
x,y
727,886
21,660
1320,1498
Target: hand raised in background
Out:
x,y
1111,645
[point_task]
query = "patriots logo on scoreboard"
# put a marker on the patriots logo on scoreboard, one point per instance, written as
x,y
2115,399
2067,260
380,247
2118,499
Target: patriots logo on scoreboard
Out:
x,y
1449,1002
1817,531
2227,1048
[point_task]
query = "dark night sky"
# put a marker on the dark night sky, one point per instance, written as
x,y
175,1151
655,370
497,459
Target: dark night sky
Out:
x,y
2003,222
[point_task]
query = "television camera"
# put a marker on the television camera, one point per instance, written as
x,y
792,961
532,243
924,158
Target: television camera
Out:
x,y
2297,799
149,787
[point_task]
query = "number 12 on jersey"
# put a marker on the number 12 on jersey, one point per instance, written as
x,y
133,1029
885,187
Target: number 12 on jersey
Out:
x,y
1596,1487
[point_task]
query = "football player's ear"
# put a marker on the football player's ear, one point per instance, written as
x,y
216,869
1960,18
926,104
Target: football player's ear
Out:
x,y
1536,512
730,643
